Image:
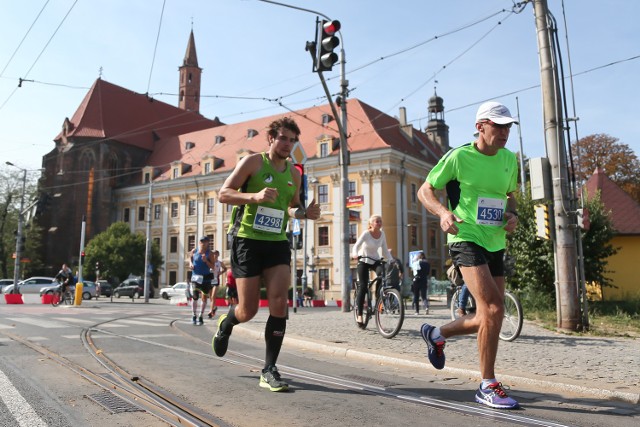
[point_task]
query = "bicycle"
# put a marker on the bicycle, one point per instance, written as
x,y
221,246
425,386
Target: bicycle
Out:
x,y
389,307
58,298
512,321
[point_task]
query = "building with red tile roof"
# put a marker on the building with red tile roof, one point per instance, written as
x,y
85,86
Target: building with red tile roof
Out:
x,y
625,217
119,142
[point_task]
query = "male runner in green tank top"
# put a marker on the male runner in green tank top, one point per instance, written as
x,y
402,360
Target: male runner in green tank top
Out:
x,y
264,188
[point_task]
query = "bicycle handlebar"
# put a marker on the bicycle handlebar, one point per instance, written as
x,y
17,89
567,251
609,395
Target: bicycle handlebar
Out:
x,y
381,260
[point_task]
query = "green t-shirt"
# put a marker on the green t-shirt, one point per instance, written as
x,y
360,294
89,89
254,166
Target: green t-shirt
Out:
x,y
477,187
264,221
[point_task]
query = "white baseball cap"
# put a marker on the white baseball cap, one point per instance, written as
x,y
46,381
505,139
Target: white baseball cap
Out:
x,y
496,112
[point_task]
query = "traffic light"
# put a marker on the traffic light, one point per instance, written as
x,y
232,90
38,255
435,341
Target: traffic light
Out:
x,y
326,44
97,266
303,184
543,224
23,241
82,256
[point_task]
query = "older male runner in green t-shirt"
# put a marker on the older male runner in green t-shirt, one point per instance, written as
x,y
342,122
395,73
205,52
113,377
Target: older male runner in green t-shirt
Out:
x,y
480,178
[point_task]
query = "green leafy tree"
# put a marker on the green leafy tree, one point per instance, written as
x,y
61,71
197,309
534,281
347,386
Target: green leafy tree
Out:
x,y
596,242
10,198
120,253
617,160
533,276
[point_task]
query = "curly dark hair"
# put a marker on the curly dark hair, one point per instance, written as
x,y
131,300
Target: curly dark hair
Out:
x,y
282,123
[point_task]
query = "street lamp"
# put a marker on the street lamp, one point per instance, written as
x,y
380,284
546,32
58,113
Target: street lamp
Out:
x,y
16,265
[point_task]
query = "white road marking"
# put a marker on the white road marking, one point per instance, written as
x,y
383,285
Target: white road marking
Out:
x,y
17,405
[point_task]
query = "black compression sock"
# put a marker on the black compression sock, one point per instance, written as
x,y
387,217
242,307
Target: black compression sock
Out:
x,y
273,336
227,324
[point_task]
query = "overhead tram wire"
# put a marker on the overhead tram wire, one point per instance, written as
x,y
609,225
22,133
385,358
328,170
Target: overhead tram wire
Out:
x,y
441,69
40,54
23,38
155,48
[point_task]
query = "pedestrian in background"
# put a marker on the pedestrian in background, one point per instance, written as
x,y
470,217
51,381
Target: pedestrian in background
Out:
x,y
480,178
420,284
232,289
217,270
200,262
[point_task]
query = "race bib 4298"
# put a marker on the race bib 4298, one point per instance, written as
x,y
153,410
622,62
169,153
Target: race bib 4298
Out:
x,y
269,220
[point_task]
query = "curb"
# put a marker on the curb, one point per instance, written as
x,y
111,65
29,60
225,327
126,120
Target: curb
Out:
x,y
325,348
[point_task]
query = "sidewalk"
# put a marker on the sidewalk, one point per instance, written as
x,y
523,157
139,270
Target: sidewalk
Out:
x,y
603,368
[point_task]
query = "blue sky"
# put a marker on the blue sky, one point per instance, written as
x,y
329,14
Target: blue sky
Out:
x,y
254,49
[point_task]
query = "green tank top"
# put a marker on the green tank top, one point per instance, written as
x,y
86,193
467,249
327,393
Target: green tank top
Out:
x,y
264,221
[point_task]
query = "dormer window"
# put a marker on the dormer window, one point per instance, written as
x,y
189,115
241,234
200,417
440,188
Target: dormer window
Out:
x,y
175,173
324,149
326,118
251,133
219,139
189,145
207,167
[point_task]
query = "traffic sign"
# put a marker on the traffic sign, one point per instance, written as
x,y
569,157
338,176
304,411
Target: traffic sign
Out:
x,y
296,227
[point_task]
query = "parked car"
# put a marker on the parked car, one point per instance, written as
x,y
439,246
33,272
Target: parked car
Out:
x,y
88,290
5,282
133,288
104,288
32,285
177,290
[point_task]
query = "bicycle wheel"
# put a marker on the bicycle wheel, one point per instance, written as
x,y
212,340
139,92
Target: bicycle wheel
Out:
x,y
455,298
55,298
389,313
68,298
512,321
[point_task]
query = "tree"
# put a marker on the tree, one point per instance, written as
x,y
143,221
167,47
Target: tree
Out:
x,y
533,276
596,241
617,160
10,198
120,253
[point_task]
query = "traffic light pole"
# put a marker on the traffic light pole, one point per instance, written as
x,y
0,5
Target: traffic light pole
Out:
x,y
343,255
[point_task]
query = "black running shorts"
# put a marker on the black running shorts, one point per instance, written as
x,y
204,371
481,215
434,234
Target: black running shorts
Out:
x,y
250,257
469,254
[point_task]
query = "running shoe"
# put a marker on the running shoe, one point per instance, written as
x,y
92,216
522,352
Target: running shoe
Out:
x,y
200,321
435,350
194,319
270,379
494,396
220,340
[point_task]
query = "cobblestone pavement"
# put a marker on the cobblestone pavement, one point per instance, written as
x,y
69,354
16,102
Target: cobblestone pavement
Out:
x,y
596,366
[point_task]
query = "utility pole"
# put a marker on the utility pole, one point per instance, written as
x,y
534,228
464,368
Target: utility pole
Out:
x,y
147,251
564,243
344,181
16,265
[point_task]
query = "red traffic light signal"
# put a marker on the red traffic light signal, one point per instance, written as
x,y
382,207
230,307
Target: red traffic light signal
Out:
x,y
327,43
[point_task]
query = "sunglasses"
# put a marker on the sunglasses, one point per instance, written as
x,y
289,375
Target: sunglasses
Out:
x,y
496,125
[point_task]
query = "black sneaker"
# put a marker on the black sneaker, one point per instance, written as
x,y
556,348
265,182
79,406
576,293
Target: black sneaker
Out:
x,y
270,379
193,319
200,321
220,340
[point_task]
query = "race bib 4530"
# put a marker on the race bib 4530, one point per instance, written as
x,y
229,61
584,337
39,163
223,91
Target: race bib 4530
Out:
x,y
490,211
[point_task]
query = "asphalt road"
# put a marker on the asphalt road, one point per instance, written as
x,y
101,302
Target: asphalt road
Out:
x,y
156,341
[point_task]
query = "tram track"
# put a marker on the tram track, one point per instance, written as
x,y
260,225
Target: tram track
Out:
x,y
176,412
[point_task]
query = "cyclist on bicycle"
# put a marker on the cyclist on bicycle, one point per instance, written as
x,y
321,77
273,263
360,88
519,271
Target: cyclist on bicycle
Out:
x,y
368,246
65,278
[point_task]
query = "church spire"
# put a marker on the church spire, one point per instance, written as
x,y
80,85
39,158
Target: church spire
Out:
x,y
190,74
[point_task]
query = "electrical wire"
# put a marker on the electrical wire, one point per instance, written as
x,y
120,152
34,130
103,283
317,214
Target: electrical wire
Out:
x,y
23,38
155,48
40,54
